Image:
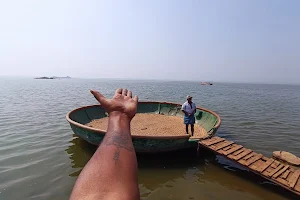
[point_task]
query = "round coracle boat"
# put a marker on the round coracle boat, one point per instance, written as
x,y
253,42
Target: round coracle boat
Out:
x,y
157,126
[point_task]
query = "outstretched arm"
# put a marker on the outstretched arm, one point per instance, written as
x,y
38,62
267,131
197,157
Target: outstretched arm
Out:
x,y
112,171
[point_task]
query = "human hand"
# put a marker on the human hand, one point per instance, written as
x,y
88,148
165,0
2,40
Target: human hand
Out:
x,y
121,103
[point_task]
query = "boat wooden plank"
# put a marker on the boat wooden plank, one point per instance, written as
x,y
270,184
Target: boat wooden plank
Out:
x,y
275,164
293,179
257,165
241,155
285,174
280,171
222,151
249,156
265,165
215,140
297,186
238,152
226,148
222,145
292,169
282,181
244,159
212,141
251,160
267,171
264,158
233,149
205,142
275,170
290,175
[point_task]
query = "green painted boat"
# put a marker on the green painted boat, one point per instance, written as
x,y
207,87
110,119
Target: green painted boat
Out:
x,y
205,118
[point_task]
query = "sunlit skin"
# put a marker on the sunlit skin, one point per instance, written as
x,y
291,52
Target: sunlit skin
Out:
x,y
112,171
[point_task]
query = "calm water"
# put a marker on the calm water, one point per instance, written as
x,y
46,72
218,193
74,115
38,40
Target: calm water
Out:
x,y
41,159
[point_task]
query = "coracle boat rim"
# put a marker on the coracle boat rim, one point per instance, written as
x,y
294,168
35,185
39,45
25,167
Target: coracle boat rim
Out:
x,y
99,131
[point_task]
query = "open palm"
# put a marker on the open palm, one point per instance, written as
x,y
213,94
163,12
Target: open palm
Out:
x,y
122,102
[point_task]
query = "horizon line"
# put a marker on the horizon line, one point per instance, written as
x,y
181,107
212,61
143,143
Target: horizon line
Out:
x,y
158,79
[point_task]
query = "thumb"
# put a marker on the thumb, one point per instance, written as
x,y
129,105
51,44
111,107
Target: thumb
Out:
x,y
100,98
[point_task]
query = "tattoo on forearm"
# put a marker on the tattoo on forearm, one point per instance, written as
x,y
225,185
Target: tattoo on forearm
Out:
x,y
121,141
117,155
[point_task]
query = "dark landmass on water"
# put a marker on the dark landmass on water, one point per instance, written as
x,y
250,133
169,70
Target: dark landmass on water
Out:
x,y
53,77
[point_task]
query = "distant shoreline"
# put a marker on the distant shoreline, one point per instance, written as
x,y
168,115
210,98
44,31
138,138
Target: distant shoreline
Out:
x,y
53,77
218,82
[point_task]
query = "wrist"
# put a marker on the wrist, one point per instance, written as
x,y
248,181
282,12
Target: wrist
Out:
x,y
119,122
116,115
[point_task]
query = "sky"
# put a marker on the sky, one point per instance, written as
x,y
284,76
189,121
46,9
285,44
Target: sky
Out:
x,y
213,40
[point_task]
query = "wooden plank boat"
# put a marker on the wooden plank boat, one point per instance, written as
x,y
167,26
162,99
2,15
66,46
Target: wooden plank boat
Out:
x,y
208,120
280,172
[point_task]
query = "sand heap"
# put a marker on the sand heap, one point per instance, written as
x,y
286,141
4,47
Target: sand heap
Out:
x,y
153,125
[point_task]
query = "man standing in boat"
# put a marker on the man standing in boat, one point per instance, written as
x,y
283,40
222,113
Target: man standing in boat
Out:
x,y
189,109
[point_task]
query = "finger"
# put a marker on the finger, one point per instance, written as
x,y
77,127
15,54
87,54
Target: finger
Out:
x,y
118,91
125,92
136,98
129,94
100,98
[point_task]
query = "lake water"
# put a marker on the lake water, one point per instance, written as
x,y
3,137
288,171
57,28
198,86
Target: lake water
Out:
x,y
40,158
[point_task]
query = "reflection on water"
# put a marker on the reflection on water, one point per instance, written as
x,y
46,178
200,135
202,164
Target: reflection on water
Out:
x,y
186,175
80,153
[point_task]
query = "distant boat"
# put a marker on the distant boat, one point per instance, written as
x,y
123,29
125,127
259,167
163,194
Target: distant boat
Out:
x,y
206,83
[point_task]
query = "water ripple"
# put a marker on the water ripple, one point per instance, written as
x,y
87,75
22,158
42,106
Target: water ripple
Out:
x,y
40,159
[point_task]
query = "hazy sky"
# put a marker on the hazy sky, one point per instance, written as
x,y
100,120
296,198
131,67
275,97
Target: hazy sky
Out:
x,y
225,40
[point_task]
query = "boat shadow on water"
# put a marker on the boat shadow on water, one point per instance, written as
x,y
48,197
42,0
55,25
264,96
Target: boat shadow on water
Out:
x,y
159,169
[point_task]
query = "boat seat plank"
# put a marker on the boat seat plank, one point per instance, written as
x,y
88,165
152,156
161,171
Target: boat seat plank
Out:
x,y
251,160
207,141
267,171
249,155
232,149
212,141
282,181
241,155
297,186
293,179
245,158
260,164
265,165
254,166
237,152
280,171
275,164
285,174
275,170
222,145
226,148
